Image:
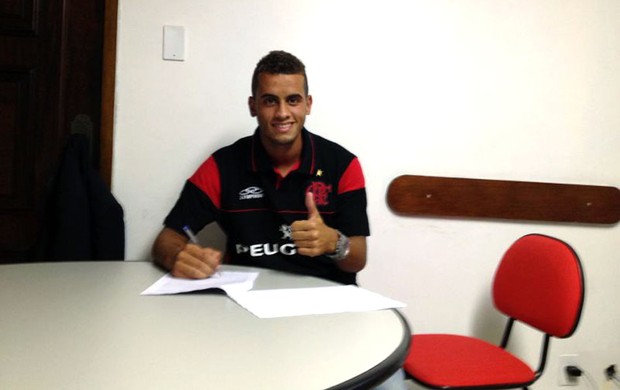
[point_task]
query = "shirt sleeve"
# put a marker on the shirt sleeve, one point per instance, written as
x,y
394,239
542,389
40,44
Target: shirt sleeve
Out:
x,y
207,178
351,217
352,179
199,201
193,208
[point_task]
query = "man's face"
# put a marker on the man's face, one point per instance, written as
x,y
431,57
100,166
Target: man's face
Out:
x,y
280,105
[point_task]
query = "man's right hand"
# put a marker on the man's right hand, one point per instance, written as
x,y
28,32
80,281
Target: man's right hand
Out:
x,y
196,262
183,259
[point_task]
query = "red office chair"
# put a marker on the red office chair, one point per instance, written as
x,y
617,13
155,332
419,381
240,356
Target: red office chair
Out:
x,y
539,282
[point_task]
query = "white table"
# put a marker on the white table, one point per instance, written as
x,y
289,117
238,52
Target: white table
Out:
x,y
84,325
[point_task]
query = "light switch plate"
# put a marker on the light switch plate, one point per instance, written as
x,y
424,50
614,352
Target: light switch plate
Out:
x,y
174,43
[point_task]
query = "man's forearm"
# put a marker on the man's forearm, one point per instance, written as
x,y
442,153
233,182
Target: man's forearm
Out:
x,y
166,247
356,259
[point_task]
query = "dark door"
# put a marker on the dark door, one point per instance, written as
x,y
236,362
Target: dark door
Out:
x,y
50,86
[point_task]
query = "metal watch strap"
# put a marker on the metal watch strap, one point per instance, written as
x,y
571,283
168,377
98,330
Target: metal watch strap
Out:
x,y
342,247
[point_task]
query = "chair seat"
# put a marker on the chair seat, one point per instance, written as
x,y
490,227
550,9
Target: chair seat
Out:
x,y
454,361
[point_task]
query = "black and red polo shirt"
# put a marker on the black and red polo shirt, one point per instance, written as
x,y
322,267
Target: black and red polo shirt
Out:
x,y
238,188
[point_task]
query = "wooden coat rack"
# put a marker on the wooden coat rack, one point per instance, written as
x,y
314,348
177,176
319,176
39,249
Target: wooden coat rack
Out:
x,y
501,199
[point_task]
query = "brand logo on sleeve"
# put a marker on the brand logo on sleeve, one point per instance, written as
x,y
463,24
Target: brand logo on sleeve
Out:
x,y
251,193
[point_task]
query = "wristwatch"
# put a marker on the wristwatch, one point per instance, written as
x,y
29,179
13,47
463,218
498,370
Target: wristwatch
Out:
x,y
342,247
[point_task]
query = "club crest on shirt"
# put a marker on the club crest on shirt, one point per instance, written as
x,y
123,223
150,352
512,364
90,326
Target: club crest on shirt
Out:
x,y
320,191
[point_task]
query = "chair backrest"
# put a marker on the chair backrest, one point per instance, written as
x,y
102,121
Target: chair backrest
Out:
x,y
540,282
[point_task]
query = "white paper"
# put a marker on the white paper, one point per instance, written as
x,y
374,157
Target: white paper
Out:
x,y
306,301
226,280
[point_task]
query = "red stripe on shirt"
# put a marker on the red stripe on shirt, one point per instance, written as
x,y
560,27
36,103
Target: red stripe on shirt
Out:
x,y
352,178
207,178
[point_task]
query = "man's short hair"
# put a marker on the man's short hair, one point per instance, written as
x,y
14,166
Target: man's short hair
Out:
x,y
279,62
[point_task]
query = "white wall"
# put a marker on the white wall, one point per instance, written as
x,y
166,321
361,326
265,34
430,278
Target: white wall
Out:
x,y
518,90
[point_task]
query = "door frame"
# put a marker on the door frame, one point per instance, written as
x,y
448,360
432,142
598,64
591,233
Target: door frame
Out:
x,y
107,91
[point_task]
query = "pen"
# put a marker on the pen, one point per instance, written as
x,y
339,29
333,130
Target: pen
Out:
x,y
190,234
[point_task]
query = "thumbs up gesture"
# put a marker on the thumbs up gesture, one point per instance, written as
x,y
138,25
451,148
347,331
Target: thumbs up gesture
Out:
x,y
312,236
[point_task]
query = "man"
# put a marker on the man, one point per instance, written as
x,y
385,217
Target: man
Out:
x,y
286,198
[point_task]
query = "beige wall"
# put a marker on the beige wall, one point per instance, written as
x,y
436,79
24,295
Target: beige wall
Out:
x,y
518,90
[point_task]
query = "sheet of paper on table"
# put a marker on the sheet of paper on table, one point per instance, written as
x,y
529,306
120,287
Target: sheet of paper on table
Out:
x,y
306,301
226,280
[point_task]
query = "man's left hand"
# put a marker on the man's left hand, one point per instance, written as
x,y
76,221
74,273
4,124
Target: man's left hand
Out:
x,y
312,236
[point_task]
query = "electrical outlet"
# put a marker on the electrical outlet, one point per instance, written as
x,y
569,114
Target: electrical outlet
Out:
x,y
610,372
563,378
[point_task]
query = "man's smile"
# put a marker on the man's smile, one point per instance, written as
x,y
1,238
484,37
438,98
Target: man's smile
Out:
x,y
283,127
